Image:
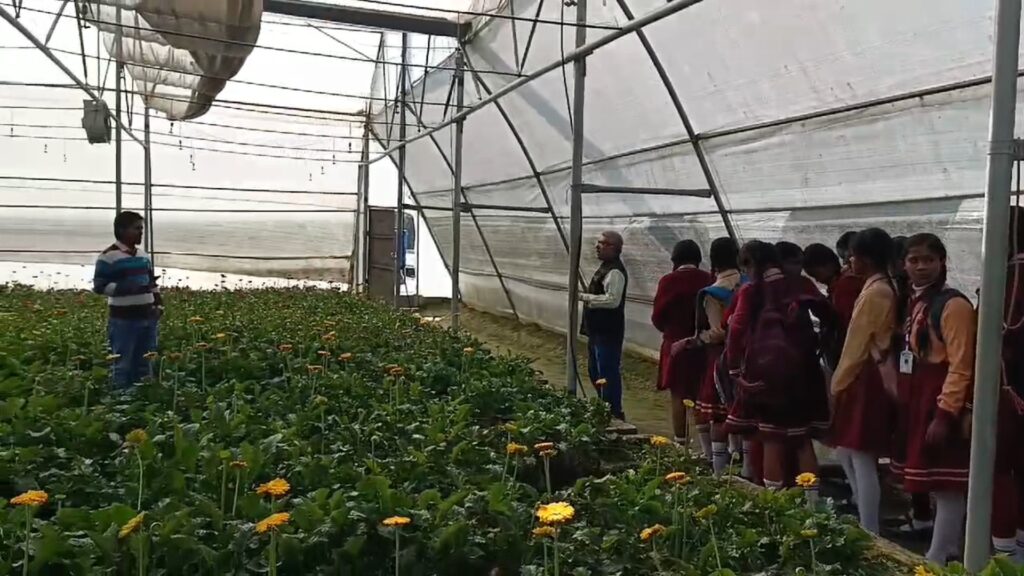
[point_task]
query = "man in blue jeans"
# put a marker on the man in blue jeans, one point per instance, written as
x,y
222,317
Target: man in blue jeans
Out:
x,y
604,320
124,274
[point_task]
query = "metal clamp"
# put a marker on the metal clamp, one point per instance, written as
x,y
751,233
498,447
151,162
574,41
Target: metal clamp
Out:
x,y
1014,148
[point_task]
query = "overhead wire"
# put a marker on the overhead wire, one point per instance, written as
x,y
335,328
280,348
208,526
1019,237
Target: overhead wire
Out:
x,y
234,80
253,45
175,186
349,117
322,160
164,195
196,138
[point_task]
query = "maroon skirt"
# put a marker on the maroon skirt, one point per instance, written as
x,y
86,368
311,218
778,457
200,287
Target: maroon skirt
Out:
x,y
925,468
864,415
1009,435
682,373
709,403
804,414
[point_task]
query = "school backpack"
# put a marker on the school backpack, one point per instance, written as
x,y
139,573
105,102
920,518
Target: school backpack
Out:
x,y
937,305
777,346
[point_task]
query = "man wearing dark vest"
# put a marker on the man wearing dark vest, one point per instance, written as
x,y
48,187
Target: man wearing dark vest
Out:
x,y
604,320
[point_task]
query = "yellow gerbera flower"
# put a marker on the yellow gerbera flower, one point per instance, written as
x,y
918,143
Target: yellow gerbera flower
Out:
x,y
329,337
706,512
323,353
196,320
513,449
809,533
315,369
469,351
542,446
113,357
272,522
647,533
31,498
922,571
136,437
677,478
202,346
220,336
276,488
396,371
510,427
689,403
396,521
320,400
346,357
150,356
556,513
239,464
548,453
284,348
132,526
807,480
544,532
600,383
659,441
174,356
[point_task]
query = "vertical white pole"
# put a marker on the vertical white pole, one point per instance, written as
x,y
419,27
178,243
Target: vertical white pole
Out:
x,y
987,375
460,78
576,199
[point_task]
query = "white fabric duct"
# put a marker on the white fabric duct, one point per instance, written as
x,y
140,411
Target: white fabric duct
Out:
x,y
179,52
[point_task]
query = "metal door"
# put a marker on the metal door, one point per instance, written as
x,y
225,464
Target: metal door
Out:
x,y
381,257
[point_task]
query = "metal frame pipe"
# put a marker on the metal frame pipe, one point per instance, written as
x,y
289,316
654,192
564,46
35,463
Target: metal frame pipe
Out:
x,y
147,196
460,92
988,359
400,200
576,200
579,53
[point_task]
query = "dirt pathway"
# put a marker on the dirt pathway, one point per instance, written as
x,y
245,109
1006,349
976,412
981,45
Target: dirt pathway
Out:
x,y
645,407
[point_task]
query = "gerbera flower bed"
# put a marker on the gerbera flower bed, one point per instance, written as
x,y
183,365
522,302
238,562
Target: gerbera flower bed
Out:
x,y
308,432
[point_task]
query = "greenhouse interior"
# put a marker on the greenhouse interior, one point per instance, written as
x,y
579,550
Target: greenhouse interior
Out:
x,y
373,223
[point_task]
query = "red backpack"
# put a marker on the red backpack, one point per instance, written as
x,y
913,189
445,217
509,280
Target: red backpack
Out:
x,y
778,344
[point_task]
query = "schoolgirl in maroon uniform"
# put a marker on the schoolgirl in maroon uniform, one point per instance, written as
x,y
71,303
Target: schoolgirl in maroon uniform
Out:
x,y
936,381
710,340
1008,483
862,416
674,316
780,419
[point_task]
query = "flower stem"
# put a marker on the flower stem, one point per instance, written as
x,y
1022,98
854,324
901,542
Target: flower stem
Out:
x,y
28,538
545,558
142,556
556,551
139,458
238,480
174,400
273,552
85,406
202,362
814,561
714,544
223,486
398,549
675,522
504,469
547,480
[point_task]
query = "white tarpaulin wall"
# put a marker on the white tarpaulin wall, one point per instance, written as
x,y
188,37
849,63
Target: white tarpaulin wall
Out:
x,y
815,117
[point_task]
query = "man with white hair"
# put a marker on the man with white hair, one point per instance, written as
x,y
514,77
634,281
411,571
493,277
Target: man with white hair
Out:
x,y
604,320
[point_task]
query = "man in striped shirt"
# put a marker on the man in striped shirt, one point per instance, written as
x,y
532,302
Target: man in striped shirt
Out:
x,y
124,273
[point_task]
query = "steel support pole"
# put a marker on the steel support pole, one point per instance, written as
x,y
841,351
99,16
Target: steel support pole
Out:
x,y
118,78
460,85
400,202
988,359
147,195
365,195
576,200
356,262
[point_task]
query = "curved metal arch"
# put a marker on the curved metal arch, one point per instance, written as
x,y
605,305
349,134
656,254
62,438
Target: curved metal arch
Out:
x,y
698,148
526,154
479,230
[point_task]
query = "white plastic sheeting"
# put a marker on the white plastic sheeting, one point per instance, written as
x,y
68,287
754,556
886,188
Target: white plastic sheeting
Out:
x,y
181,53
815,118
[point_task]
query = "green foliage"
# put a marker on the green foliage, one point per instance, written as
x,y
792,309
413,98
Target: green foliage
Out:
x,y
428,444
